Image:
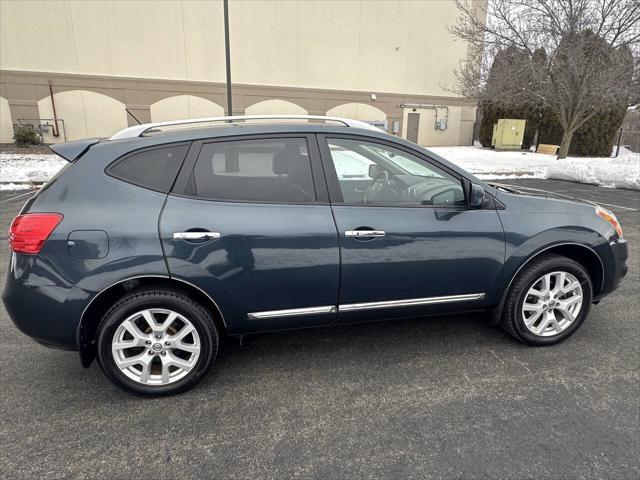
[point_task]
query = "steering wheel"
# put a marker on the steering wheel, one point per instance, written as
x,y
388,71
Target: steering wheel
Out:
x,y
377,186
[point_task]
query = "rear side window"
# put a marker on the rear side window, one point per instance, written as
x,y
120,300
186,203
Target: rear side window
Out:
x,y
155,168
264,170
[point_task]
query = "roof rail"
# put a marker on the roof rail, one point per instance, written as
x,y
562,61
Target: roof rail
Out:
x,y
140,130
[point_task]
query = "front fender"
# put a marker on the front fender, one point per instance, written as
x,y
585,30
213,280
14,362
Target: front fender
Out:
x,y
520,251
518,255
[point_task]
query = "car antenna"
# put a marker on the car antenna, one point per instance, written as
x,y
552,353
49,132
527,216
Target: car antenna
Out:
x,y
133,116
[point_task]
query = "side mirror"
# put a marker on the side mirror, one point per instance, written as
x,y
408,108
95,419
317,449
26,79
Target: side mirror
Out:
x,y
476,196
374,169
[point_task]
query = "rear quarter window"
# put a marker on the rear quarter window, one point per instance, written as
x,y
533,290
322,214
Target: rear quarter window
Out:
x,y
155,168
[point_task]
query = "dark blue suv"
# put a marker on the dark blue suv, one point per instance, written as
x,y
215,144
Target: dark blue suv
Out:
x,y
149,247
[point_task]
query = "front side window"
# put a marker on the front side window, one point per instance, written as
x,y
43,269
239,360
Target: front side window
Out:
x,y
264,170
371,173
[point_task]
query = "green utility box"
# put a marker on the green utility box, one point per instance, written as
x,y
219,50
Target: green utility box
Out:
x,y
508,134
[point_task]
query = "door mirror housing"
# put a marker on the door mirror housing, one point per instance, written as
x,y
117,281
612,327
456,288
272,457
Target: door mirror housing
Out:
x,y
374,169
476,196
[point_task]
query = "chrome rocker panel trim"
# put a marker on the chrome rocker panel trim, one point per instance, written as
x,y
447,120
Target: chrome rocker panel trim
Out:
x,y
351,307
291,312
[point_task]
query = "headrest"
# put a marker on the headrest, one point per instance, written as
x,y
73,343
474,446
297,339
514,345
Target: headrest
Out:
x,y
281,162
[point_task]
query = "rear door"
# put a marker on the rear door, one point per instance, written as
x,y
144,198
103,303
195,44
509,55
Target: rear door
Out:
x,y
250,224
409,242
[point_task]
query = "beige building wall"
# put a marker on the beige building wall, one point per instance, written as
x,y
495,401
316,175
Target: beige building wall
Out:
x,y
357,111
392,46
460,121
275,107
184,106
165,59
85,114
6,127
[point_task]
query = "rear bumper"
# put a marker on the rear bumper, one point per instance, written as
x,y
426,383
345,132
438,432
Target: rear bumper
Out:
x,y
43,312
615,269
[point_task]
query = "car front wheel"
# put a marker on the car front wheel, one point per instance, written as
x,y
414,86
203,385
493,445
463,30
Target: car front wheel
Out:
x,y
548,300
156,342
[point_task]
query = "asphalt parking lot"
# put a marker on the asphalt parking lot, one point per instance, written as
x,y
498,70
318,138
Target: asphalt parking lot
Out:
x,y
442,397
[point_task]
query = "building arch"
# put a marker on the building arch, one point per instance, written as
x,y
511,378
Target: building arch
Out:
x,y
275,106
6,124
84,113
357,111
178,107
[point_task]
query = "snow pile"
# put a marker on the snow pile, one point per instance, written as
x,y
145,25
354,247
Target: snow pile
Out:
x,y
26,169
620,172
491,164
15,186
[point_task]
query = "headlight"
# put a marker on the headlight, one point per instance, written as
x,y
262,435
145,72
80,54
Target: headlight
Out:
x,y
611,218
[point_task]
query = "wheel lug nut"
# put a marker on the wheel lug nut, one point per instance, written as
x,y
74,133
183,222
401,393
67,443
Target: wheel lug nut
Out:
x,y
167,343
148,342
158,336
163,353
150,352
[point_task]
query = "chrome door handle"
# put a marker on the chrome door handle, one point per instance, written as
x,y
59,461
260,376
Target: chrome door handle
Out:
x,y
364,233
196,235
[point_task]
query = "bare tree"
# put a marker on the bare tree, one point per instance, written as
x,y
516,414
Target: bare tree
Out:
x,y
573,57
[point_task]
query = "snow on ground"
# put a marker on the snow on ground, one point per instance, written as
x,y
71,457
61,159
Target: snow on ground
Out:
x,y
15,186
620,172
19,171
23,169
485,163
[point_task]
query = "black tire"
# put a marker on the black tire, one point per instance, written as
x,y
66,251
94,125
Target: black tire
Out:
x,y
142,299
512,319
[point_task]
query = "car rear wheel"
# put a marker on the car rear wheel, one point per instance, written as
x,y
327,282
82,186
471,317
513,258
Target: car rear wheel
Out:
x,y
548,301
156,342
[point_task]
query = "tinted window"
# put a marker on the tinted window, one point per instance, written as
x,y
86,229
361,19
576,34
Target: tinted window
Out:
x,y
255,170
155,169
371,173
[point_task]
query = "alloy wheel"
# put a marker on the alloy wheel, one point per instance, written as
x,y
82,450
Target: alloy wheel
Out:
x,y
156,346
552,303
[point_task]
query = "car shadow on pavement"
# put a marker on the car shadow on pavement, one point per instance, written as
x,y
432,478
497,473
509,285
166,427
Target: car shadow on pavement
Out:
x,y
316,351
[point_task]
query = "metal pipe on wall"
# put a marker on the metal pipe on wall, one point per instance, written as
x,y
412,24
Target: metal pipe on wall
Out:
x,y
426,106
55,130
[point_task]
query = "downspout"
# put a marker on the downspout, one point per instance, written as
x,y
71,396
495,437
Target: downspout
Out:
x,y
55,132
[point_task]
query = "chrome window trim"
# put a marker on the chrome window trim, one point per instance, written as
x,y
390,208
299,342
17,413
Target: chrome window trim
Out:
x,y
350,307
292,312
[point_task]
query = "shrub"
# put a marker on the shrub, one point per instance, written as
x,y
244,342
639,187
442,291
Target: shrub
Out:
x,y
598,135
595,138
25,135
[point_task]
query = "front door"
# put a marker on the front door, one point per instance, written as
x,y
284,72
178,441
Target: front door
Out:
x,y
409,243
413,127
247,225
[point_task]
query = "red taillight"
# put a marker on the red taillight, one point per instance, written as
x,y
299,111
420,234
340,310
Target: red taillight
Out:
x,y
29,232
